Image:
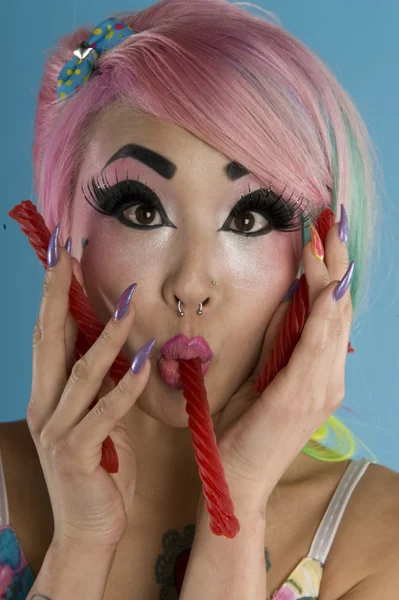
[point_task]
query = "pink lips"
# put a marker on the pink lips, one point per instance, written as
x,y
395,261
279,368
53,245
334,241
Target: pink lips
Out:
x,y
180,347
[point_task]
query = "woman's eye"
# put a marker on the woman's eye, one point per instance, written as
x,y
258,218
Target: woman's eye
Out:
x,y
246,221
136,205
144,213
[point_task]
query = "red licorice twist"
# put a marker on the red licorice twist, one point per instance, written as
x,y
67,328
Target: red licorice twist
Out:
x,y
291,328
90,327
219,504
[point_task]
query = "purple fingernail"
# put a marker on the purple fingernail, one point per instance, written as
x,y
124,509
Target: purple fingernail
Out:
x,y
68,245
141,356
291,290
123,302
343,225
52,250
343,285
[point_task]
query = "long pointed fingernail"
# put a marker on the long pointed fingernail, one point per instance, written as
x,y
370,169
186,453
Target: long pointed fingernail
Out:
x,y
68,245
141,356
123,302
343,226
343,285
52,249
317,246
291,290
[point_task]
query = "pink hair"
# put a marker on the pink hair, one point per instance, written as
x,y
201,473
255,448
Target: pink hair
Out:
x,y
242,84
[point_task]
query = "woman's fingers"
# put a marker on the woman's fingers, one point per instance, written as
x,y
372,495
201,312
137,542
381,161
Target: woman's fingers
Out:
x,y
316,271
314,353
334,266
50,368
326,329
62,389
338,260
71,334
88,373
110,409
315,348
337,257
71,326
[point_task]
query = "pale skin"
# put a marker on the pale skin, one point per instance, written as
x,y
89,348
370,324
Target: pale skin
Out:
x,y
182,262
166,262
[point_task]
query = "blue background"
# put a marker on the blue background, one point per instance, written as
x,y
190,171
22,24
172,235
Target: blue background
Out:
x,y
358,40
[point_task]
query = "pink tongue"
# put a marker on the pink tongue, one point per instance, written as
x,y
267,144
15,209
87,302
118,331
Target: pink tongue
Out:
x,y
170,372
169,366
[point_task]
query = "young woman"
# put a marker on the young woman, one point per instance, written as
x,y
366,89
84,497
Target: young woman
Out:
x,y
178,155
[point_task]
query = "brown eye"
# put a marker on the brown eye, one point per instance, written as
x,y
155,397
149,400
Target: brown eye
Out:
x,y
143,213
246,221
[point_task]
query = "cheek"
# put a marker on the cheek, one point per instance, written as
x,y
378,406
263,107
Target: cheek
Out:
x,y
116,257
262,268
119,253
267,280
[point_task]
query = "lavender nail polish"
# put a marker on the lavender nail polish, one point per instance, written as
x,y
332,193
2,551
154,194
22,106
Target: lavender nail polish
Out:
x,y
343,285
141,356
291,290
68,245
123,302
343,225
52,250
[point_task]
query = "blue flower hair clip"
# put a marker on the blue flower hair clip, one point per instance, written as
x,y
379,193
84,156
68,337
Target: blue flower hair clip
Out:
x,y
78,70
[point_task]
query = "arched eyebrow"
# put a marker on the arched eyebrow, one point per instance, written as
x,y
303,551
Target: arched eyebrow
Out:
x,y
165,167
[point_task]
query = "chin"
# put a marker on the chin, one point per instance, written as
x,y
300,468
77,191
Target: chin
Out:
x,y
166,404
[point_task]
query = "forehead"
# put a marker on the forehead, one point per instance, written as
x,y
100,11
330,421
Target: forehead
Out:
x,y
167,148
123,124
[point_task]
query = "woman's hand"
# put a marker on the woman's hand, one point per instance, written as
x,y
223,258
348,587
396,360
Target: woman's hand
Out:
x,y
89,504
260,435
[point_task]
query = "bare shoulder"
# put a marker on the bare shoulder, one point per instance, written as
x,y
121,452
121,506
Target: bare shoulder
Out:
x,y
30,511
374,511
367,534
379,489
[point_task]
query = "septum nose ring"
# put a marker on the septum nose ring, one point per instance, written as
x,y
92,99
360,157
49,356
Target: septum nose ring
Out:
x,y
181,313
199,311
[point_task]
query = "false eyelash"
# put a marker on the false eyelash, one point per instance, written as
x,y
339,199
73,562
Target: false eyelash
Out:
x,y
282,214
100,195
285,216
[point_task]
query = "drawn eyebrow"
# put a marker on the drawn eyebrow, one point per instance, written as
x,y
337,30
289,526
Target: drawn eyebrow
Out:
x,y
165,167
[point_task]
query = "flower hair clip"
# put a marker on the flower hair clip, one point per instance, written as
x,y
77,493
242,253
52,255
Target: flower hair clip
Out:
x,y
79,69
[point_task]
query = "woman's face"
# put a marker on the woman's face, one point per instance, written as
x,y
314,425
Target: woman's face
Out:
x,y
177,252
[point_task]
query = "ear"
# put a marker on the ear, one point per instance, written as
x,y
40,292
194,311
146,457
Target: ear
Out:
x,y
77,271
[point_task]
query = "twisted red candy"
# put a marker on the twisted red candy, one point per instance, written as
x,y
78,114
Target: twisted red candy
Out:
x,y
219,504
